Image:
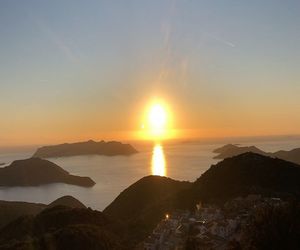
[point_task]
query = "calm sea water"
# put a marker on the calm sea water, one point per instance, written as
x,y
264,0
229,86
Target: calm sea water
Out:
x,y
181,161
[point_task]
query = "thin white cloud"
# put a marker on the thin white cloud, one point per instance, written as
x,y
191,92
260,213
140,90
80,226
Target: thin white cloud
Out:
x,y
222,40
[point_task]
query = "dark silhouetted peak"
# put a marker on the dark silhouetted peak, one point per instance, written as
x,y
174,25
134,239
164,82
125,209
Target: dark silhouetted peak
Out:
x,y
11,210
68,201
292,155
248,173
142,205
146,191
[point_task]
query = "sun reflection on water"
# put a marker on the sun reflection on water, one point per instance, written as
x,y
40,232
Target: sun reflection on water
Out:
x,y
158,161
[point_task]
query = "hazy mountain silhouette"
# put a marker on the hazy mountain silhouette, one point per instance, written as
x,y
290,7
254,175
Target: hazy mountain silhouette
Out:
x,y
291,155
110,148
230,150
11,210
35,171
62,227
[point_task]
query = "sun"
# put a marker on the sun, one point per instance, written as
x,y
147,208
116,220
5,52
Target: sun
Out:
x,y
157,117
157,121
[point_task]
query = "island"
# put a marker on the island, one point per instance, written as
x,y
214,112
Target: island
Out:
x,y
36,171
110,148
230,150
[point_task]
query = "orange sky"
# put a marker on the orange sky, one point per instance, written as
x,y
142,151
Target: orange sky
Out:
x,y
90,72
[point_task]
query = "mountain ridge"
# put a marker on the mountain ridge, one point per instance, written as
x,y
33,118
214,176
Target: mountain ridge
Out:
x,y
230,150
11,210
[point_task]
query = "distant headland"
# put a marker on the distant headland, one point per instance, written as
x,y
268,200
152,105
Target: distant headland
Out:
x,y
231,150
110,148
36,171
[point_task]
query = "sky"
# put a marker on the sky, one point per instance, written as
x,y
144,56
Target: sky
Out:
x,y
75,70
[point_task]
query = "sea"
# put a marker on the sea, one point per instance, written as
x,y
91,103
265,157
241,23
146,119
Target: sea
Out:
x,y
180,160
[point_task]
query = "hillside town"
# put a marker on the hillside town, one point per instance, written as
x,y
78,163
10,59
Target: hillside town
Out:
x,y
208,227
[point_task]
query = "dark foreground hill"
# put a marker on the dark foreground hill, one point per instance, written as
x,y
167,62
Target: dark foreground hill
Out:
x,y
245,174
110,148
231,150
11,210
35,171
144,203
62,227
138,209
67,201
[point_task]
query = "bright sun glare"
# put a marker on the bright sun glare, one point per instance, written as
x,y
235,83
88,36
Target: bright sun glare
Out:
x,y
157,117
157,121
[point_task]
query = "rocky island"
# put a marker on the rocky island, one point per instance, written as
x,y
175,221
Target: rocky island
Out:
x,y
110,148
36,171
231,150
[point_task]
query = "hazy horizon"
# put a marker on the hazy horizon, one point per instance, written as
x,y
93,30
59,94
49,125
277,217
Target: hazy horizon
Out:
x,y
243,140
